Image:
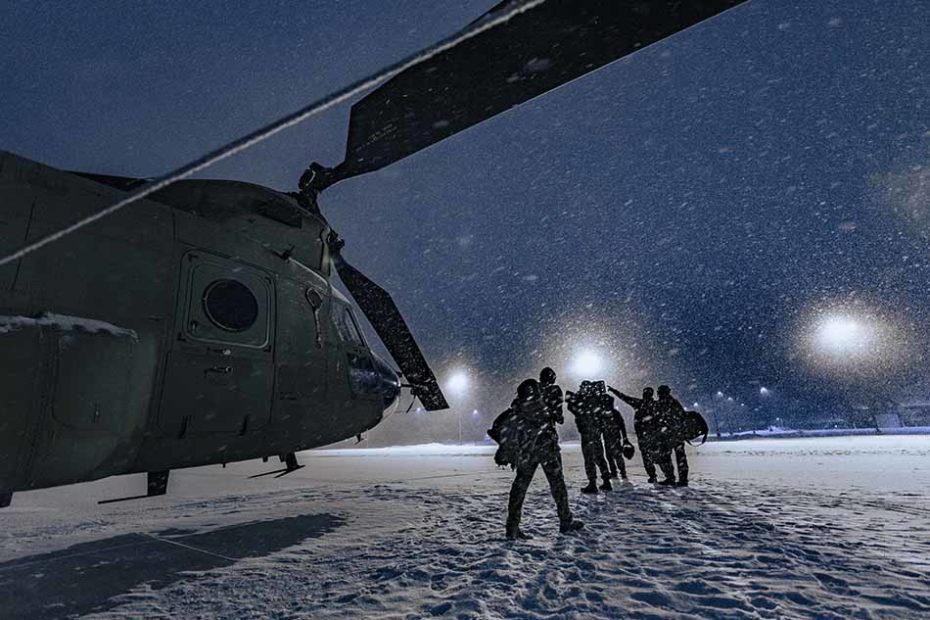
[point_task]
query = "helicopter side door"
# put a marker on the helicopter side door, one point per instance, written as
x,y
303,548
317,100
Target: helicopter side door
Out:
x,y
220,369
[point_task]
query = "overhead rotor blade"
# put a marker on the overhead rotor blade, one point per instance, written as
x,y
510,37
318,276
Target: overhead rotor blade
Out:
x,y
381,311
528,55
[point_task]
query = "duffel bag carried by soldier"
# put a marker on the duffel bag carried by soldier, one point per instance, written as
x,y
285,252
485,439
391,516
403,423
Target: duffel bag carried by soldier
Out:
x,y
693,426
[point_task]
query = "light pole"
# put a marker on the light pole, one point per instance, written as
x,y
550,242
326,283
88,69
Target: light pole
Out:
x,y
458,384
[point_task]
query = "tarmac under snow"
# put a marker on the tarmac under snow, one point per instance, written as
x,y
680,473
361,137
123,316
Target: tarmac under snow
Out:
x,y
818,527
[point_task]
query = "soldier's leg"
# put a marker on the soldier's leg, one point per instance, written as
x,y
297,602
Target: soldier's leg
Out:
x,y
552,467
663,458
587,453
518,489
645,452
602,464
681,459
609,456
588,448
611,466
601,459
611,453
618,455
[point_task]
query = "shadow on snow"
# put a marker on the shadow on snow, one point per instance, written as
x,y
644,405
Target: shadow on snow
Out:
x,y
86,577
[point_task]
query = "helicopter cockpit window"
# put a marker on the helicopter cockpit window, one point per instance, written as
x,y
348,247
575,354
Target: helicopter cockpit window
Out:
x,y
345,325
230,305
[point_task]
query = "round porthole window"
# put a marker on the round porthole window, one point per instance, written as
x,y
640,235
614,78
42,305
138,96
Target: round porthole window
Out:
x,y
230,305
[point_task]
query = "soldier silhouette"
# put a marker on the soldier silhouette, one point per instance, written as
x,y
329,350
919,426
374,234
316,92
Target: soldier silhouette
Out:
x,y
670,422
527,430
644,425
586,405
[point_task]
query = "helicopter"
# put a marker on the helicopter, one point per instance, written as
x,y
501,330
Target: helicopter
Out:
x,y
203,325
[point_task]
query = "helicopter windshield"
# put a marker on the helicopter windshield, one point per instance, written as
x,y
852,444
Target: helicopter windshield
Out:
x,y
346,326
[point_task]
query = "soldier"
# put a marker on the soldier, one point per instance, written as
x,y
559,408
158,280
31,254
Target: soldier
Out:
x,y
584,405
537,443
644,427
615,437
670,416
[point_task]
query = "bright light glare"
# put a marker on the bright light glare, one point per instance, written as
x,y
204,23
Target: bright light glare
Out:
x,y
842,336
853,341
458,382
764,391
587,363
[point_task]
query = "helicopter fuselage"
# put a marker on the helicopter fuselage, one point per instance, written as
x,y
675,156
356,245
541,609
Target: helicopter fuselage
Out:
x,y
194,328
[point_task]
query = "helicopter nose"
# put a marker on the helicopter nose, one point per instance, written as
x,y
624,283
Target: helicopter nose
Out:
x,y
389,382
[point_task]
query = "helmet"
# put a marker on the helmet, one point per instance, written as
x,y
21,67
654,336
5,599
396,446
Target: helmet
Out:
x,y
528,390
628,450
547,376
647,393
664,390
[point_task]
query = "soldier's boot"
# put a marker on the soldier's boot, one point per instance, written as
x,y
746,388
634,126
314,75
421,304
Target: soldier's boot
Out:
x,y
683,481
651,480
591,488
567,527
515,533
668,471
614,474
607,486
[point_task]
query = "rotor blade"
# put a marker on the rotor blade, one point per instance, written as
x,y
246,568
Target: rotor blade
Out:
x,y
530,54
382,313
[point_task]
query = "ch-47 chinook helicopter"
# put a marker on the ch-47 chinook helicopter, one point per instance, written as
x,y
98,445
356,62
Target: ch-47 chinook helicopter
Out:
x,y
201,325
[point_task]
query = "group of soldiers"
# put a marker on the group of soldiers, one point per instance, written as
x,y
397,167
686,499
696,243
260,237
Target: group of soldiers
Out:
x,y
528,439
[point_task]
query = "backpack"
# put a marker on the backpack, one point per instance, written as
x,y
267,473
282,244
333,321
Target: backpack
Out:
x,y
507,433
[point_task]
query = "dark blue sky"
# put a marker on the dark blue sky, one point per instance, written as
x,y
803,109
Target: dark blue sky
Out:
x,y
689,207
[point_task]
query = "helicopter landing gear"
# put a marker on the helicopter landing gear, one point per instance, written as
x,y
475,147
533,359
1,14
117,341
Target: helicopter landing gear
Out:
x,y
290,465
5,498
157,485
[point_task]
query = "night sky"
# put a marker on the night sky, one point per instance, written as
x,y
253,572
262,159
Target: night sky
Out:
x,y
689,213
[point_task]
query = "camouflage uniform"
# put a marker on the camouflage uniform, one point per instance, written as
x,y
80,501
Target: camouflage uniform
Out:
x,y
585,408
538,445
644,425
614,436
670,416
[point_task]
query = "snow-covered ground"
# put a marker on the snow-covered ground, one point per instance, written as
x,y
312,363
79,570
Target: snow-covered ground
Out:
x,y
821,527
775,431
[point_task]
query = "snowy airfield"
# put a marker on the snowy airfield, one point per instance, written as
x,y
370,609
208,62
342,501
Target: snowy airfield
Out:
x,y
833,527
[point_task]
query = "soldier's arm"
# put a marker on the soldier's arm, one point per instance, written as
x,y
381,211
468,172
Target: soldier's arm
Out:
x,y
635,403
